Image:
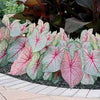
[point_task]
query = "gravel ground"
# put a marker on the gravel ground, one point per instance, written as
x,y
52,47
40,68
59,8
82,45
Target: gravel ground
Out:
x,y
62,83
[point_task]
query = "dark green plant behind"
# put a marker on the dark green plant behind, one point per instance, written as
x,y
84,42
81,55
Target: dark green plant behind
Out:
x,y
10,7
73,15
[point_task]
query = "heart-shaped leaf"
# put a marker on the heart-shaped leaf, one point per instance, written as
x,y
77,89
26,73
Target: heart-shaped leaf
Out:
x,y
20,64
52,59
34,69
72,69
92,62
15,48
37,41
14,27
43,27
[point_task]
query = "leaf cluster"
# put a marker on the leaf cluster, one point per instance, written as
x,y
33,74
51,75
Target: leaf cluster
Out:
x,y
54,56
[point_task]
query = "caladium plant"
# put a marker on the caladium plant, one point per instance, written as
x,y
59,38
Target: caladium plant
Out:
x,y
52,60
52,56
92,62
20,64
37,40
15,48
71,69
34,69
15,28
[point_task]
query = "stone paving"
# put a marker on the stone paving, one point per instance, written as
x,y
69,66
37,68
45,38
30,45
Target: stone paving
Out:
x,y
15,89
14,94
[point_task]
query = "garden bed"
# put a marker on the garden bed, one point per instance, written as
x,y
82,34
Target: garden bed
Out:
x,y
62,83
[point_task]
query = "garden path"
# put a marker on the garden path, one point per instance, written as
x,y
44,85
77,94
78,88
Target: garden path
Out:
x,y
9,85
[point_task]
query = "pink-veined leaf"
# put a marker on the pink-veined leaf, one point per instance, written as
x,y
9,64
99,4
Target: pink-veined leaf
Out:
x,y
14,27
52,59
85,35
3,54
50,38
31,28
23,28
34,69
92,62
15,48
72,69
60,39
64,36
20,64
43,27
37,41
88,79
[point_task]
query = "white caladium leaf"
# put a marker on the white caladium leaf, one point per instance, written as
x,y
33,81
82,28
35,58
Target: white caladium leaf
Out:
x,y
37,41
60,39
31,28
43,27
15,48
47,76
72,69
52,59
34,69
72,46
63,35
20,64
93,41
88,79
92,62
50,38
85,35
23,28
14,27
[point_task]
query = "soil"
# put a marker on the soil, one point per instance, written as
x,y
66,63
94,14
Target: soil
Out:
x,y
62,83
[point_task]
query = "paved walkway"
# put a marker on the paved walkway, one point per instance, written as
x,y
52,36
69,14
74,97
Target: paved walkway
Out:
x,y
15,89
14,94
